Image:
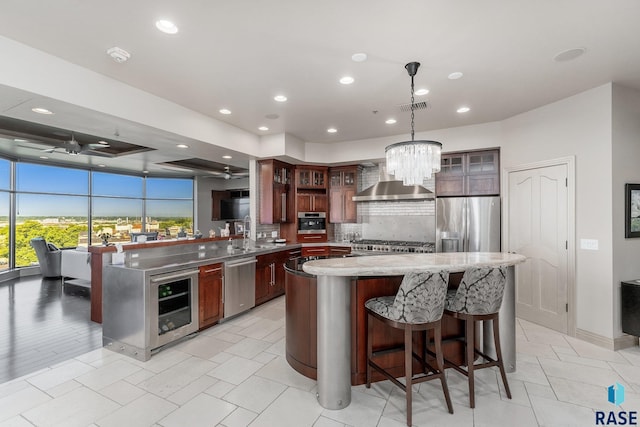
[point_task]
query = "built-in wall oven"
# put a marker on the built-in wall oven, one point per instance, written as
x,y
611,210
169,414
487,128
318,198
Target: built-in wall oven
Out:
x,y
173,300
312,222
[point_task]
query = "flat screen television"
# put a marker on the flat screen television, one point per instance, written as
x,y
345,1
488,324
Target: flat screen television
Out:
x,y
236,208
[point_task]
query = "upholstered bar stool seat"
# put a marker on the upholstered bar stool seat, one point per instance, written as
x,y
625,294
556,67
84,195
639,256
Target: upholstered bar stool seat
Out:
x,y
478,298
418,306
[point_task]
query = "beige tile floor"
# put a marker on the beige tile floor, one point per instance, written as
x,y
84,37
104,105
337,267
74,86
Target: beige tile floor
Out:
x,y
235,374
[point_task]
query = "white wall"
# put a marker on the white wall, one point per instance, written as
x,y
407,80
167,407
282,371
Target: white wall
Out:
x,y
578,126
452,139
626,169
204,186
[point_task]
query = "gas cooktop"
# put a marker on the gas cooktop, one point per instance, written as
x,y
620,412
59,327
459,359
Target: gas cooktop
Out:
x,y
395,246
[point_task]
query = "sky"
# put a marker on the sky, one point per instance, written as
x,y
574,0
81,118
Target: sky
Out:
x,y
72,186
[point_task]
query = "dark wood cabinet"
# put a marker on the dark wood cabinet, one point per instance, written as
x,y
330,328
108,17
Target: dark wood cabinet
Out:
x,y
339,250
312,202
315,251
326,250
276,203
311,177
301,328
312,238
210,284
473,173
343,185
270,275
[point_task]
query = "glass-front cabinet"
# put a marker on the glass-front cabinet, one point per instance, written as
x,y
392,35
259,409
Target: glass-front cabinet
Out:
x,y
311,178
473,173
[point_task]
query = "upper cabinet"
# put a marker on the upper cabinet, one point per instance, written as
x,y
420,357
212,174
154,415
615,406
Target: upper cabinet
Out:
x,y
311,177
343,185
474,173
276,202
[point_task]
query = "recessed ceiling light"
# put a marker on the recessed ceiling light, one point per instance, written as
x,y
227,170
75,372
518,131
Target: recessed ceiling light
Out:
x,y
463,109
390,121
145,171
263,128
569,54
280,98
101,165
225,111
347,80
226,156
40,110
332,130
455,76
182,146
422,92
103,143
20,140
359,57
166,26
44,157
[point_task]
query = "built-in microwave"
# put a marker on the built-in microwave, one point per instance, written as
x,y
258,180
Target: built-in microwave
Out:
x,y
312,222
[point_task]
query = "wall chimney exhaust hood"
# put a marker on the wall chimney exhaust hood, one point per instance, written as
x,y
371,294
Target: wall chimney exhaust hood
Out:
x,y
389,188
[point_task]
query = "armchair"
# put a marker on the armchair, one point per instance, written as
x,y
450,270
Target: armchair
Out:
x,y
76,267
49,257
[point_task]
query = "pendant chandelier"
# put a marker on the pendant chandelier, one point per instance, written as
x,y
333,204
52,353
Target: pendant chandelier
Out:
x,y
413,161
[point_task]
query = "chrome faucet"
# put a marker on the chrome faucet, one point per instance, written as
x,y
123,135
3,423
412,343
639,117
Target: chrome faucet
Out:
x,y
246,223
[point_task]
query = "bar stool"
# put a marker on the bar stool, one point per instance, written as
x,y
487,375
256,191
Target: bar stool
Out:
x,y
417,306
478,298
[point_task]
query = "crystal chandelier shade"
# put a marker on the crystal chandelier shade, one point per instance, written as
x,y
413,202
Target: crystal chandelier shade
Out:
x,y
413,161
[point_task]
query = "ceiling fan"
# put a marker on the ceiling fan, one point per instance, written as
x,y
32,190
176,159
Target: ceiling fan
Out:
x,y
73,147
228,174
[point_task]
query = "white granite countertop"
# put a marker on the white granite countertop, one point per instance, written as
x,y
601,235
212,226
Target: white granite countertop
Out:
x,y
390,265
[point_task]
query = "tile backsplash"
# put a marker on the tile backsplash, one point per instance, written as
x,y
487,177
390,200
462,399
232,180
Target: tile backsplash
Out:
x,y
390,220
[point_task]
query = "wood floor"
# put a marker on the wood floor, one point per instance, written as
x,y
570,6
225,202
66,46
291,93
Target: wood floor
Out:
x,y
43,323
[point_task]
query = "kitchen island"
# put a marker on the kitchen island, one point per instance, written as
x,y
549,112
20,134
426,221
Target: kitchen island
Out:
x,y
334,275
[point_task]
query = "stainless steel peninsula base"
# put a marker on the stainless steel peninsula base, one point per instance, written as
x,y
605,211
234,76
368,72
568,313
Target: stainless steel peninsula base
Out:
x,y
334,299
143,311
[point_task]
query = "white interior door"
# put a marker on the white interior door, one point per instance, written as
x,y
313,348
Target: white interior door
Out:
x,y
538,225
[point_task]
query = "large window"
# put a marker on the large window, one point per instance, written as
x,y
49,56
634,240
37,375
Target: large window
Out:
x,y
58,204
169,206
4,214
51,202
117,206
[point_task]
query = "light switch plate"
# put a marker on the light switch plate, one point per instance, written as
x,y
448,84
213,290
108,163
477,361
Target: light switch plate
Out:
x,y
589,244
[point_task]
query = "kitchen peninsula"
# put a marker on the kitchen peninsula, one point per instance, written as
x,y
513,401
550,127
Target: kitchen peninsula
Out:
x,y
334,275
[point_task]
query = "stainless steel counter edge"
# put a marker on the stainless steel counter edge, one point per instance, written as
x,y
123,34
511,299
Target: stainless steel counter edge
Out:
x,y
213,257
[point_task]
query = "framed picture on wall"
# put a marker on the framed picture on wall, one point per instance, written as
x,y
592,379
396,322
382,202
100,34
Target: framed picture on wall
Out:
x,y
632,210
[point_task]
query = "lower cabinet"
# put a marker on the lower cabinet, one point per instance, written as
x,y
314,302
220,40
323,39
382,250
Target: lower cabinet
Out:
x,y
210,284
270,275
326,250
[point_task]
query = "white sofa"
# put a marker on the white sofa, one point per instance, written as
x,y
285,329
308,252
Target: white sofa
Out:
x,y
76,267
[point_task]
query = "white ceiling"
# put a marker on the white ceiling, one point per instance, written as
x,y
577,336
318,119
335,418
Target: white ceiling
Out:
x,y
239,54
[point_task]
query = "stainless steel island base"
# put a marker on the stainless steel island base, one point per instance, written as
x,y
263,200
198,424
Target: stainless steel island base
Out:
x,y
334,341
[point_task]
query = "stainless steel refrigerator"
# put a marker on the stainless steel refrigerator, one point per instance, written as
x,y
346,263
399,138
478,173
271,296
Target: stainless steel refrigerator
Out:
x,y
468,224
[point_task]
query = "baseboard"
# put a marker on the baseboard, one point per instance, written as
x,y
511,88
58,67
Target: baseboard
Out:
x,y
614,344
625,341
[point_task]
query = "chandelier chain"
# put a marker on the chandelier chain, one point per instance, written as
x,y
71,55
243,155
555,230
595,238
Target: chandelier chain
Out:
x,y
412,108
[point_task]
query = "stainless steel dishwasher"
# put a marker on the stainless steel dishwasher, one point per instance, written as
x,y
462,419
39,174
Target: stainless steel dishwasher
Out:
x,y
239,285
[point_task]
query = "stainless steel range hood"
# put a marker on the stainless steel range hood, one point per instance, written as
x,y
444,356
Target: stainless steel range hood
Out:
x,y
390,189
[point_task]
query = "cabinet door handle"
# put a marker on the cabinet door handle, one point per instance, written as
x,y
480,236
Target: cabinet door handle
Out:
x,y
213,269
312,237
283,197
